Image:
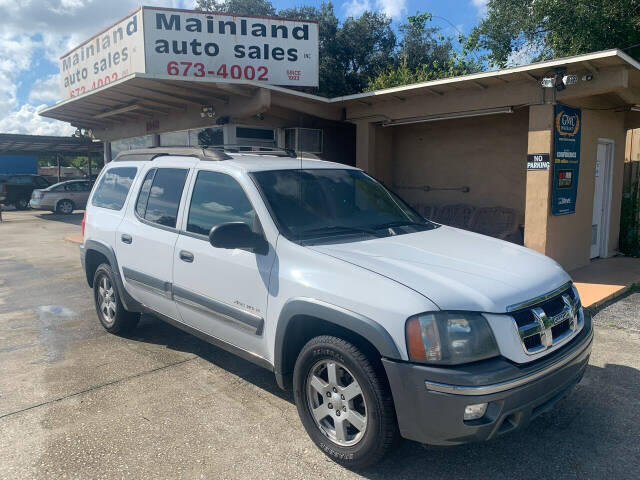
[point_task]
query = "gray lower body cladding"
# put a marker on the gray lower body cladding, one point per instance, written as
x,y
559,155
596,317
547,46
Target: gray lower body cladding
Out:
x,y
436,418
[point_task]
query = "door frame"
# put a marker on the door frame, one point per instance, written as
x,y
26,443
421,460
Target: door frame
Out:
x,y
606,170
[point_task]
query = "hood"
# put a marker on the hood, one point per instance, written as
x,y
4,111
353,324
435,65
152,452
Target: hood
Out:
x,y
456,269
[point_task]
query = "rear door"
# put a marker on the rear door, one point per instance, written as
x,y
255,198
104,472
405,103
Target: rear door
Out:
x,y
221,292
147,235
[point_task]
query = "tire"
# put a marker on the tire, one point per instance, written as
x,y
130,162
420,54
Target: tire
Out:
x,y
65,207
22,204
358,445
112,314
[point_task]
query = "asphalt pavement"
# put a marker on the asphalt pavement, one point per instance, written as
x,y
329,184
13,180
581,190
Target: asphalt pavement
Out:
x,y
77,402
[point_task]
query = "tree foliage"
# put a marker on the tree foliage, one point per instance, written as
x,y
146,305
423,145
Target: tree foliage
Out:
x,y
556,28
364,52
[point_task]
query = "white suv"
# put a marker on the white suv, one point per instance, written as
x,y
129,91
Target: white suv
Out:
x,y
384,323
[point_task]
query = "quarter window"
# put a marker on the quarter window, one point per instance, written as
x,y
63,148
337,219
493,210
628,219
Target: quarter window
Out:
x,y
217,198
160,194
113,188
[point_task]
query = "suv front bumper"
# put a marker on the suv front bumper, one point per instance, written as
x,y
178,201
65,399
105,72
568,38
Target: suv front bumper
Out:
x,y
430,401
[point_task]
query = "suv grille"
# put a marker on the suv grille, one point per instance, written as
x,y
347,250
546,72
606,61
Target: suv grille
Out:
x,y
545,324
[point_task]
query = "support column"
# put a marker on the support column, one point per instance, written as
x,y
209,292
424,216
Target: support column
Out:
x,y
538,195
365,146
107,152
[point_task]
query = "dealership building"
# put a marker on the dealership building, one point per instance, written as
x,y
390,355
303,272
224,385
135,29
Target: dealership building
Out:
x,y
534,154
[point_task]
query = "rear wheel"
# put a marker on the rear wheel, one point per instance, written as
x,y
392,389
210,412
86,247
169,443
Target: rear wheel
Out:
x,y
65,207
344,403
111,312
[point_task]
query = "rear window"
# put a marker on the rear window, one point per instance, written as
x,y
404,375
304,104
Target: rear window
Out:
x,y
113,188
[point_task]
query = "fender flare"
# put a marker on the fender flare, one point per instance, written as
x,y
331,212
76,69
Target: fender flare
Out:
x,y
357,323
129,303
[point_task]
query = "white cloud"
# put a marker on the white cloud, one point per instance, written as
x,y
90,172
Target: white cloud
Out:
x,y
392,8
481,6
34,32
26,120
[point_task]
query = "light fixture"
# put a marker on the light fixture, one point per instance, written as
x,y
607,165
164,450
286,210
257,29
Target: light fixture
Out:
x,y
207,111
587,77
570,79
474,412
448,116
549,82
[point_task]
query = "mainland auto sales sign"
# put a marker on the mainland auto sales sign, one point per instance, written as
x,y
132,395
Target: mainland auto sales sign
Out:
x,y
185,43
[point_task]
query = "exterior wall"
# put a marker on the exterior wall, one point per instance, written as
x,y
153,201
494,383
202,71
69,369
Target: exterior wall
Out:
x,y
568,236
18,164
487,154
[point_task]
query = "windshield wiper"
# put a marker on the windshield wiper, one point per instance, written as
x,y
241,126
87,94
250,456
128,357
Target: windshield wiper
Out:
x,y
405,223
345,229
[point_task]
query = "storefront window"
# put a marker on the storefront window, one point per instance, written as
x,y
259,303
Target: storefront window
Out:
x,y
174,139
118,146
205,137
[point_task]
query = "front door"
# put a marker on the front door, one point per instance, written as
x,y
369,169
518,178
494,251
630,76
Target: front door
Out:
x,y
601,200
221,292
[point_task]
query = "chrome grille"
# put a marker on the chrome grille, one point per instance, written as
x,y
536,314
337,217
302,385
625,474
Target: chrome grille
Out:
x,y
550,322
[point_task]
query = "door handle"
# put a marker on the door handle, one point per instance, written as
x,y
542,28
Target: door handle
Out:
x,y
186,256
126,238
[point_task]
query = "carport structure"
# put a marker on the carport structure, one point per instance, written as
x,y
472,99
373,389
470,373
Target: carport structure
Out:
x,y
34,145
460,140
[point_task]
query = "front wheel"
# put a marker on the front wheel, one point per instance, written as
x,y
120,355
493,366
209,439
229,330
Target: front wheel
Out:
x,y
344,403
111,312
22,204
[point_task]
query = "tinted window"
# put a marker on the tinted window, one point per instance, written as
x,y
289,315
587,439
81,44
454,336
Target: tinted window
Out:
x,y
41,182
77,187
217,198
143,196
113,188
163,197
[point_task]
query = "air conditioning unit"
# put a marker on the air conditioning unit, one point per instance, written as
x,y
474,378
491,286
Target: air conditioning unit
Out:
x,y
303,139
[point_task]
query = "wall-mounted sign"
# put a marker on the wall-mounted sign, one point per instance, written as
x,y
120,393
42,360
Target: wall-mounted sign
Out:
x,y
566,159
538,161
184,43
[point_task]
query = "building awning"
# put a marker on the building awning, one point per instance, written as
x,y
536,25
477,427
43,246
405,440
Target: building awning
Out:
x,y
14,144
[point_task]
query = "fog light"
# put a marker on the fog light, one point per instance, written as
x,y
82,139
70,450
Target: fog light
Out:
x,y
474,412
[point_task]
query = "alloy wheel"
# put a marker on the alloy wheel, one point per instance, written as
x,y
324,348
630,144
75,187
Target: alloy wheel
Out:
x,y
107,300
336,402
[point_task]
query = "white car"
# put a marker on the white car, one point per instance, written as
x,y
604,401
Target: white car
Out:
x,y
384,324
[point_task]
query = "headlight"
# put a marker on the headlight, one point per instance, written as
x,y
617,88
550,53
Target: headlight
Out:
x,y
450,338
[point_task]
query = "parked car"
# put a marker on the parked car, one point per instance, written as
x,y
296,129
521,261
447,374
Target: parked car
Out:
x,y
63,197
15,189
385,324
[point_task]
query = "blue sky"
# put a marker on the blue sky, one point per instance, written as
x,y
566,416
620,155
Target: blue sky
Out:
x,y
33,34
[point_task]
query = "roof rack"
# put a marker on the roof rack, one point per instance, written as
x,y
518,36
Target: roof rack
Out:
x,y
151,153
211,153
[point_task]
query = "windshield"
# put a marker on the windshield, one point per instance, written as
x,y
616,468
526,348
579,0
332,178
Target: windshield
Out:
x,y
321,204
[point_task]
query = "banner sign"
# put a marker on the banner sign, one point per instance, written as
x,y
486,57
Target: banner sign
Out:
x,y
566,161
114,53
538,161
185,43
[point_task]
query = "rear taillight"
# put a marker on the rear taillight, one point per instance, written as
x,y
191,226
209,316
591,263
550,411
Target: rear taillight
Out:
x,y
84,221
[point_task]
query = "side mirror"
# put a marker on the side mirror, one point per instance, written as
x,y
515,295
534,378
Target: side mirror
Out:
x,y
238,235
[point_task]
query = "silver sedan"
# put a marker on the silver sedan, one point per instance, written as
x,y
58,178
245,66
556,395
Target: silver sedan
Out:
x,y
63,197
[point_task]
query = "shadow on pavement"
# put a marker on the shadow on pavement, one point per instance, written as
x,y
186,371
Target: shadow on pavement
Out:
x,y
593,432
74,218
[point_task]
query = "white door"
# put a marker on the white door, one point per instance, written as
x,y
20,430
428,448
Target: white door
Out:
x,y
221,292
146,238
601,200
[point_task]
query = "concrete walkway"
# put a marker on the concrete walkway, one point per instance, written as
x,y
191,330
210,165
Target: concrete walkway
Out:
x,y
605,279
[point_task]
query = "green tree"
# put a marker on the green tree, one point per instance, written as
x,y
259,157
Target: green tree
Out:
x,y
424,54
556,28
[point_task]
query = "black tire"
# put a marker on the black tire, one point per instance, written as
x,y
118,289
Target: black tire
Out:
x,y
65,207
381,432
22,204
122,320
